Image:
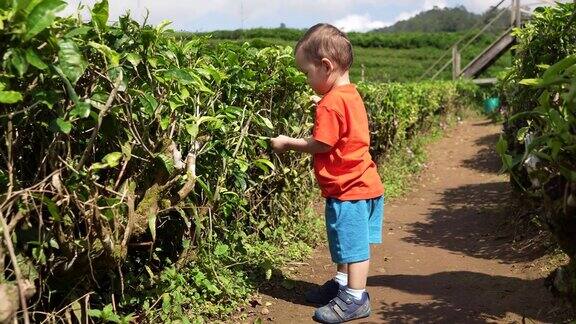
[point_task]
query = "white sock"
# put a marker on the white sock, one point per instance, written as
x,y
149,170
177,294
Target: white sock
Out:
x,y
356,293
341,278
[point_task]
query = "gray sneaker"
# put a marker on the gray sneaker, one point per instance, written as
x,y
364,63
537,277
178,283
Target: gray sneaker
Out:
x,y
343,308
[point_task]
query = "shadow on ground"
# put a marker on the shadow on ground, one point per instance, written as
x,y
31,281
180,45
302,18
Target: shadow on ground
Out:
x,y
289,290
466,297
454,297
487,160
478,220
475,220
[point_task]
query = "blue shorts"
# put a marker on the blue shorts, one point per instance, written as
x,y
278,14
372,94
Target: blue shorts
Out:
x,y
352,226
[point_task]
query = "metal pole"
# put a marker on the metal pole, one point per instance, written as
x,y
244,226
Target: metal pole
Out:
x,y
456,60
518,14
513,13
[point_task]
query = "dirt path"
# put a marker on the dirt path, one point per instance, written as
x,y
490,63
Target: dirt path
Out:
x,y
445,258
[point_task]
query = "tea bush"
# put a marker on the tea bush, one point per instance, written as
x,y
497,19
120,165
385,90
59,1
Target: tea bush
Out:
x,y
539,144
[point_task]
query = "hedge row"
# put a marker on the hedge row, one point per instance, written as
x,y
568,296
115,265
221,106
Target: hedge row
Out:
x,y
403,40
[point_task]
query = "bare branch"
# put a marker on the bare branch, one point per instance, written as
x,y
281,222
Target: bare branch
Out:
x,y
101,116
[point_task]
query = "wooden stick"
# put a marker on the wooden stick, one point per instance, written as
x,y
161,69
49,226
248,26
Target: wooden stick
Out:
x,y
19,279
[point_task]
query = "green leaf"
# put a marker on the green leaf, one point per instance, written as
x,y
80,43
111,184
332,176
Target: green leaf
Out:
x,y
134,59
165,122
10,97
184,93
192,129
557,121
212,72
265,165
187,78
556,69
35,60
531,82
221,250
18,60
25,6
54,244
71,61
61,125
502,146
209,119
149,104
69,88
112,159
205,187
521,134
555,146
52,208
167,162
80,31
42,16
267,122
94,313
127,150
100,13
112,56
162,26
39,255
82,110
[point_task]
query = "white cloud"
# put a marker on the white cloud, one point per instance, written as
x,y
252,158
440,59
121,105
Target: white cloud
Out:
x,y
359,23
428,4
230,14
176,11
478,6
184,13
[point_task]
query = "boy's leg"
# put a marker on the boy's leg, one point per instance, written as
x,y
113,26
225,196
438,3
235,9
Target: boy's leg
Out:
x,y
358,274
350,227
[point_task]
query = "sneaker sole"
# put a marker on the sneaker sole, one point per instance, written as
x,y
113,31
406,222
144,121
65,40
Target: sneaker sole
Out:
x,y
349,320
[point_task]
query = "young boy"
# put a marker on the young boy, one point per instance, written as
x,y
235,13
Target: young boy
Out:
x,y
344,170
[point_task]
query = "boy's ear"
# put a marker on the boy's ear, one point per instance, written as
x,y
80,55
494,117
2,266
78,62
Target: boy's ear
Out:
x,y
327,64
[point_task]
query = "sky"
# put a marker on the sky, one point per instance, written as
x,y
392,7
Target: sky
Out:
x,y
349,15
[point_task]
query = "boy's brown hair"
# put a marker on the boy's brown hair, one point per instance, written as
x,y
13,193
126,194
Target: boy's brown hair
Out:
x,y
326,41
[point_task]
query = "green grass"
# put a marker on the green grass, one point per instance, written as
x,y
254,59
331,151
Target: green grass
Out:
x,y
405,65
386,64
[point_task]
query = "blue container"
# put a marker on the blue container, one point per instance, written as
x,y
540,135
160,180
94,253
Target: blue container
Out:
x,y
491,105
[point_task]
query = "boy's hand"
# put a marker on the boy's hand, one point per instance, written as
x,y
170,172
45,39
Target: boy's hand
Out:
x,y
280,144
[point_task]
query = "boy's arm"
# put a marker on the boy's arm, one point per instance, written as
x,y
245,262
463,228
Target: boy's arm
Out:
x,y
283,143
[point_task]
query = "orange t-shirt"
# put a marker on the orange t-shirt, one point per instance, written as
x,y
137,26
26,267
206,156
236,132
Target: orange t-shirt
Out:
x,y
347,171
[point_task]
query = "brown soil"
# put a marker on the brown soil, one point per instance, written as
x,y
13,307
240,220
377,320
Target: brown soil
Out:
x,y
448,255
